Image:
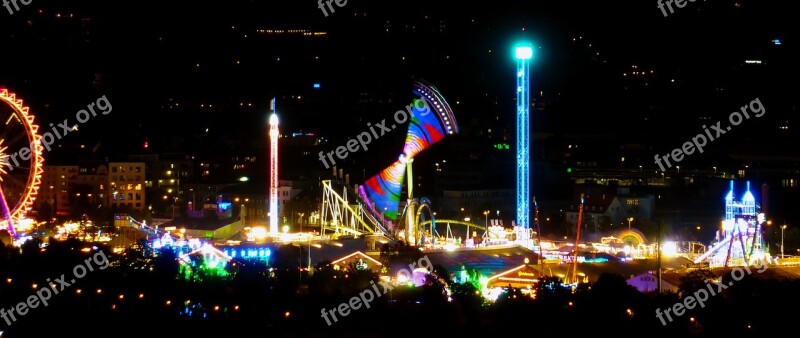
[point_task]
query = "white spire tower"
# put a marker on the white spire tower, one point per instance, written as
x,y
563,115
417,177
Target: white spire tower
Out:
x,y
274,134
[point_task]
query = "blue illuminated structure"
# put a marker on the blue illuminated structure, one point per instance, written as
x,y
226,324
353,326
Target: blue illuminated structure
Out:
x,y
739,241
246,252
523,55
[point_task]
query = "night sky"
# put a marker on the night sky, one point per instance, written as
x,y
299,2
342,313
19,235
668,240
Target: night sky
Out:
x,y
173,70
613,84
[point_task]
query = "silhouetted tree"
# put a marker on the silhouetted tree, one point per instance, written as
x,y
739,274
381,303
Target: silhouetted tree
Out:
x,y
166,265
694,281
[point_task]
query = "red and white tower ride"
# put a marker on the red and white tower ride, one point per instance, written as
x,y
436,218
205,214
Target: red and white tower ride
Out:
x,y
274,134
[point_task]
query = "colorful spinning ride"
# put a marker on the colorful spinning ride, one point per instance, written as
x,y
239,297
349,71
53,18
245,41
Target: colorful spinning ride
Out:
x,y
430,121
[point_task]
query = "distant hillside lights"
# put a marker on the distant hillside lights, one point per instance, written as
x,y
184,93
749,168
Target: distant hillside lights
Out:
x,y
7,4
324,3
698,142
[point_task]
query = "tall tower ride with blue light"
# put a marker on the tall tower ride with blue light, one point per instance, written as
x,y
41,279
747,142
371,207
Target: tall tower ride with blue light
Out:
x,y
523,54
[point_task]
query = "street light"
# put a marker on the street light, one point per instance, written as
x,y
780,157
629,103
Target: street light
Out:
x,y
783,227
486,223
467,220
301,214
630,219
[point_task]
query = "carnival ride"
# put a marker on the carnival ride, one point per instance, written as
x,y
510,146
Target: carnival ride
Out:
x,y
374,208
160,236
739,240
577,242
20,161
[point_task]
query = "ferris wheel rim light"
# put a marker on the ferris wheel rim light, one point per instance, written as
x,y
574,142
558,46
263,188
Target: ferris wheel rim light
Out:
x,y
35,144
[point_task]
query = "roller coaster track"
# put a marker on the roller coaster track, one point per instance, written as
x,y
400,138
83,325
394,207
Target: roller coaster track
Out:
x,y
149,230
450,221
340,215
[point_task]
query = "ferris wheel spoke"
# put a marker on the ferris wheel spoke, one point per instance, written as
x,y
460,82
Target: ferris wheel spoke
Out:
x,y
12,183
10,120
16,138
26,170
11,117
12,195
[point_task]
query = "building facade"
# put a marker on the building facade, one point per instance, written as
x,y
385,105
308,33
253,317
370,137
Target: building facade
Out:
x,y
57,182
92,189
126,184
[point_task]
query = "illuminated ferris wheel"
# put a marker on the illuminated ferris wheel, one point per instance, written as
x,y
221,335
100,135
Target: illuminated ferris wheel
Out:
x,y
20,160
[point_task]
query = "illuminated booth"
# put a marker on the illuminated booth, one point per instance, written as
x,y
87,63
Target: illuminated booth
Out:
x,y
360,260
524,276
